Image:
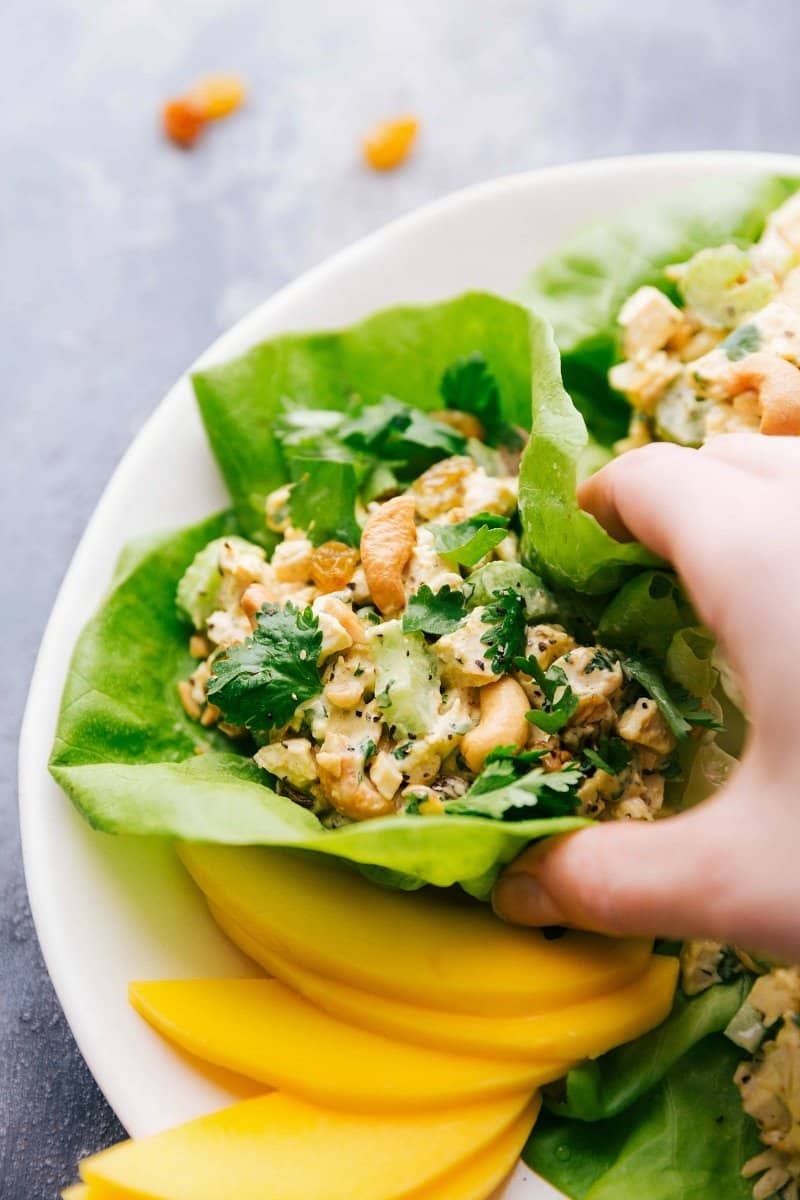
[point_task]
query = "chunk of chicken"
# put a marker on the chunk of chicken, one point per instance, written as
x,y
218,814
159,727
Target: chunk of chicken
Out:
x,y
649,320
643,724
463,656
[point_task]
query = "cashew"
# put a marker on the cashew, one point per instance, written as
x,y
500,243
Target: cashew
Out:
x,y
387,543
341,773
777,386
344,614
503,708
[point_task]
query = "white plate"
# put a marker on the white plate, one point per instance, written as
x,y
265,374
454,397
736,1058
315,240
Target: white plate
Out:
x,y
108,910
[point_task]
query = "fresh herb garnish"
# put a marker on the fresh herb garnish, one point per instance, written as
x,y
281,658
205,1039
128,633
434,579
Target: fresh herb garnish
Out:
x,y
505,637
403,436
260,682
601,660
435,612
612,755
556,712
500,792
323,500
680,709
466,542
469,386
743,341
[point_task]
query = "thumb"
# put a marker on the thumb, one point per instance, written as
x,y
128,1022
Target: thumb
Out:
x,y
668,878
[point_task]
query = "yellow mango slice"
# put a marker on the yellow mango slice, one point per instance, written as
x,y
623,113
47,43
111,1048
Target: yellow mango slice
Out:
x,y
259,1028
282,1148
584,1030
477,1178
417,947
76,1191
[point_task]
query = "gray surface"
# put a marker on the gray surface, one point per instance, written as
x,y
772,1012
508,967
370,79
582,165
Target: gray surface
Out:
x,y
121,258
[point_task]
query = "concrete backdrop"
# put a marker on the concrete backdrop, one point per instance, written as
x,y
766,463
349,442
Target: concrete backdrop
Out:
x,y
122,258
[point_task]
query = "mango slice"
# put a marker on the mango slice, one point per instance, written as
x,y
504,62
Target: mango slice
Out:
x,y
76,1191
427,950
577,1031
259,1028
477,1178
280,1147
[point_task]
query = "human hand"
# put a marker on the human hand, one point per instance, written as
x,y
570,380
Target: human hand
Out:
x,y
728,518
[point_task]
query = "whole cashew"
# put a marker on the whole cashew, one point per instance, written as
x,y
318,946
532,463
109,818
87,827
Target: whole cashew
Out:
x,y
503,708
777,384
387,543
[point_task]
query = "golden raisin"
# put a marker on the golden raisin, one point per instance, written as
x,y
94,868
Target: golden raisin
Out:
x,y
218,95
463,422
389,144
441,487
332,565
183,121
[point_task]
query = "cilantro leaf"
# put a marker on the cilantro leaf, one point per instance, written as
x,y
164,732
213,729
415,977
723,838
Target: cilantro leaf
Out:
x,y
469,386
601,660
505,638
611,755
680,709
406,438
437,613
323,500
466,542
260,682
519,756
499,793
743,341
556,712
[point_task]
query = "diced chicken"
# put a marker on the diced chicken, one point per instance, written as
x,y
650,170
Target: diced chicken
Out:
x,y
699,962
335,637
648,319
770,1089
776,993
596,792
463,656
291,759
349,678
291,561
425,566
594,678
546,643
489,494
643,380
643,724
385,773
227,628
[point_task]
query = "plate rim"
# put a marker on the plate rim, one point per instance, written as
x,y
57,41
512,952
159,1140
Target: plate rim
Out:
x,y
244,332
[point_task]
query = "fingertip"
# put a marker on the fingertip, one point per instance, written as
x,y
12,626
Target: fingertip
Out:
x,y
520,899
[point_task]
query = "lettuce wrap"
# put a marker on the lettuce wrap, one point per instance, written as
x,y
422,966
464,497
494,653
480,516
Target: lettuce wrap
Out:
x,y
125,751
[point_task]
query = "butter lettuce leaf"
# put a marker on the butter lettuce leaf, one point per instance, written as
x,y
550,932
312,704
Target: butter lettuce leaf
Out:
x,y
686,1139
582,286
133,762
401,352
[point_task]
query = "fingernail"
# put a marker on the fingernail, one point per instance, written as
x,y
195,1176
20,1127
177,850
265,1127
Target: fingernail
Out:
x,y
521,898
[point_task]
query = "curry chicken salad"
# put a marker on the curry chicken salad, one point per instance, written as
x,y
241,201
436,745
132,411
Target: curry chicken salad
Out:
x,y
429,666
409,649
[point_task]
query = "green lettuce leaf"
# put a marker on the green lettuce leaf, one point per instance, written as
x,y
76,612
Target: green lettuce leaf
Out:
x,y
560,541
402,352
686,1139
127,754
581,288
608,1085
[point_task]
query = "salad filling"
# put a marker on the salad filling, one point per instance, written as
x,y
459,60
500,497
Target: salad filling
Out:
x,y
412,664
722,355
